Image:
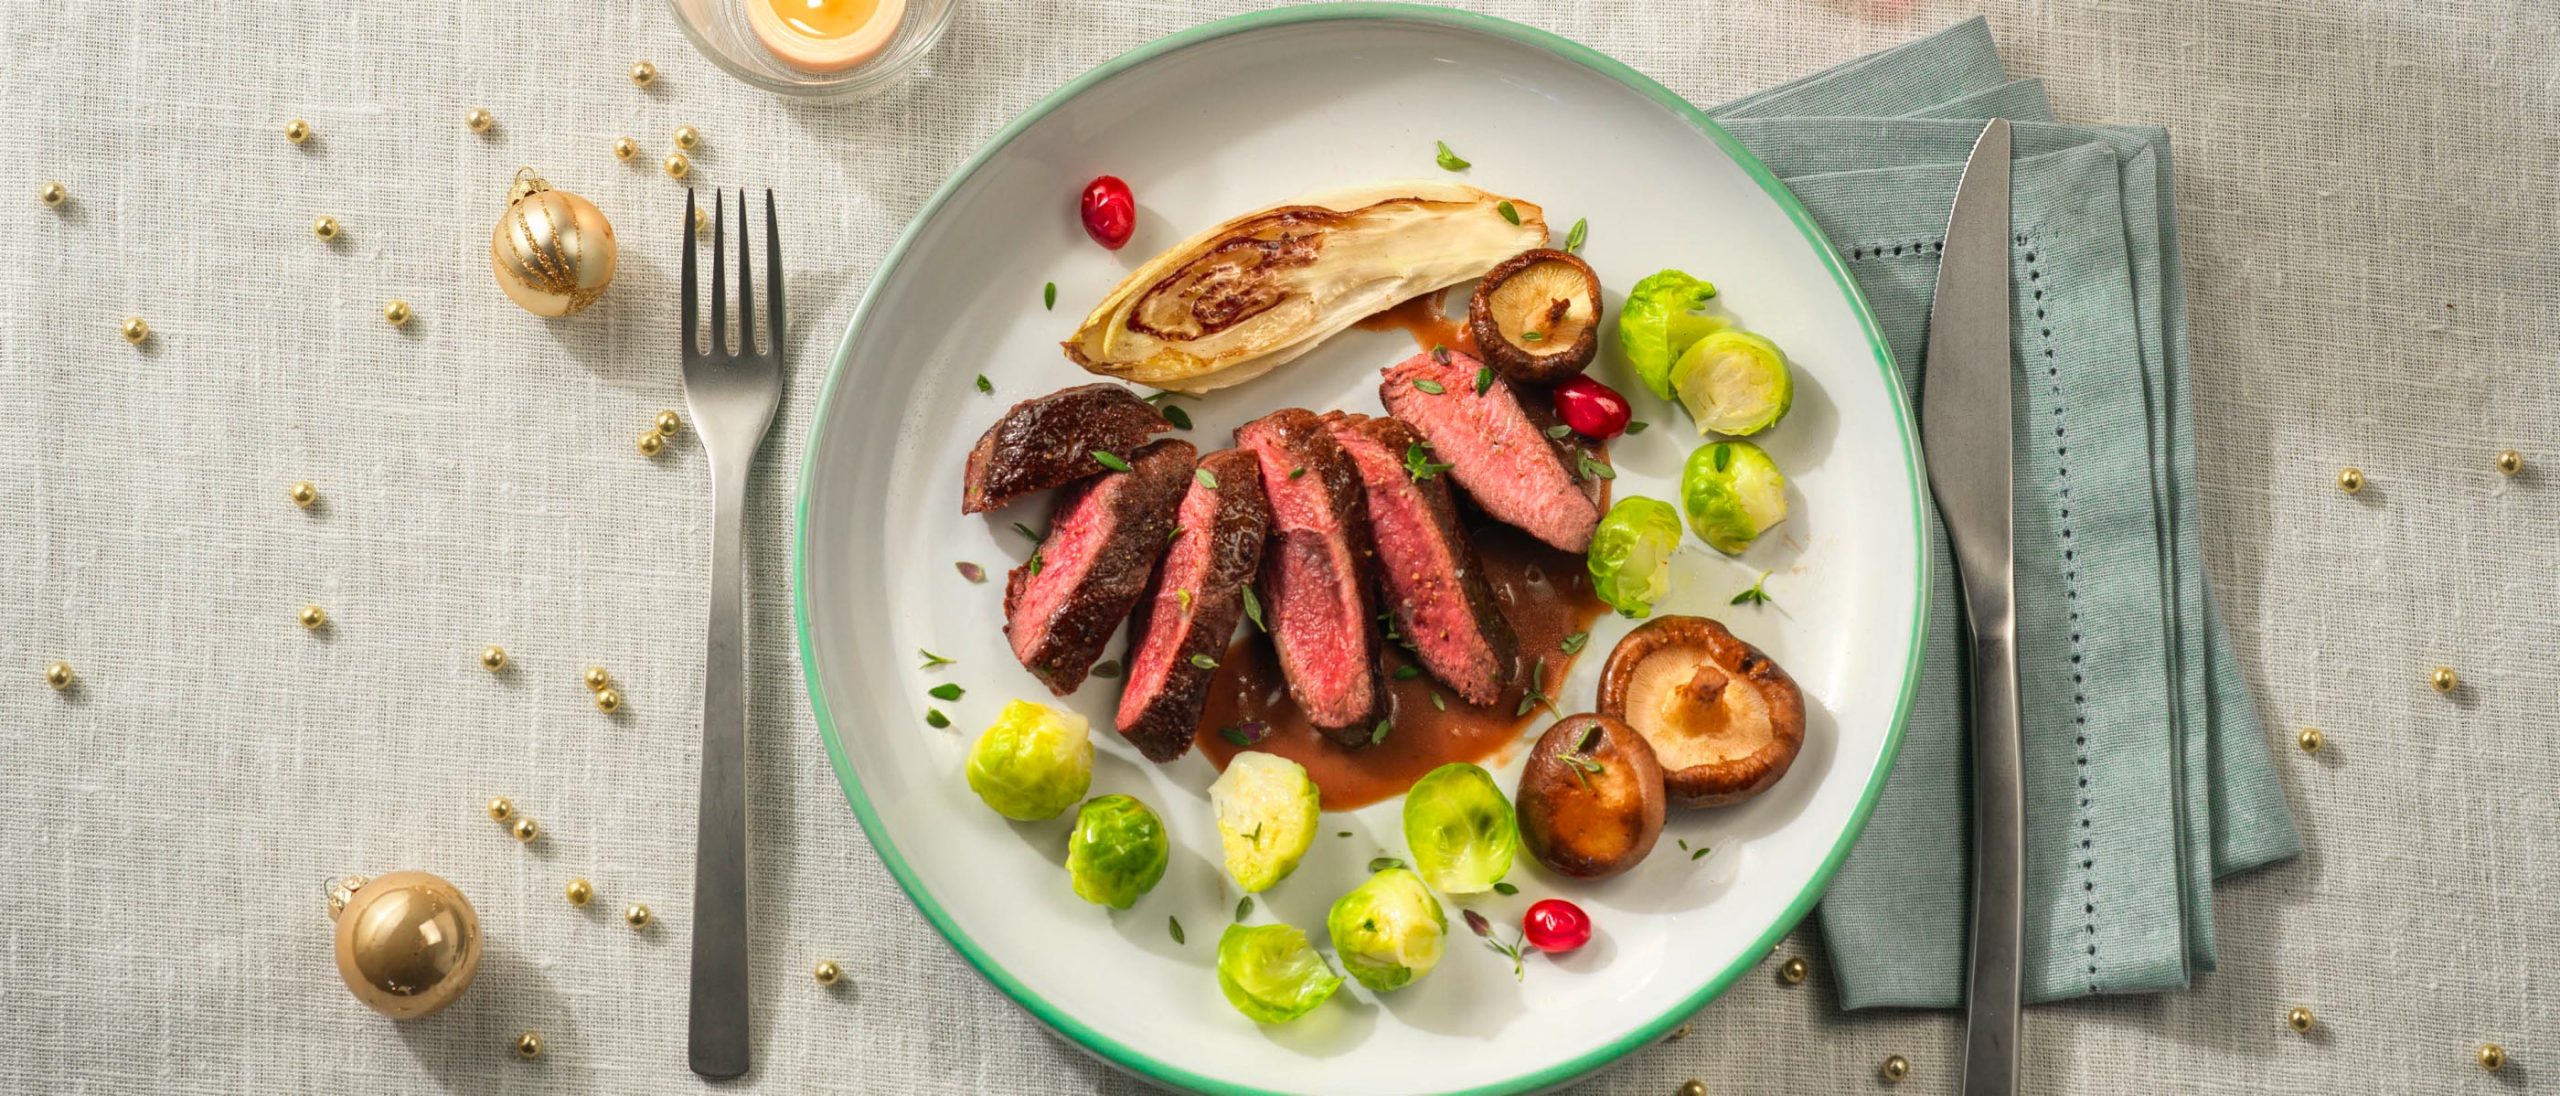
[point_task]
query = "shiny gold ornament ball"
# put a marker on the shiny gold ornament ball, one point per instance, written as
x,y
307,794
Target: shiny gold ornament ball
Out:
x,y
669,422
529,1045
135,330
325,227
525,830
2351,480
313,616
2491,1057
2310,740
395,312
608,700
625,148
2510,462
651,443
493,658
2298,1018
686,137
597,679
297,131
1792,971
501,808
579,892
303,495
1693,1087
643,73
827,972
552,252
636,916
479,119
58,675
408,943
2443,680
52,194
677,165
1895,1069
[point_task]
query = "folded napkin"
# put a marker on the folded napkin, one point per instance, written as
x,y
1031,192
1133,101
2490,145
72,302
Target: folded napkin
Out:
x,y
2147,773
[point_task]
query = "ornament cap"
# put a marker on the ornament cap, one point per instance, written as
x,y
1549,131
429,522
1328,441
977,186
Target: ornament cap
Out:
x,y
526,185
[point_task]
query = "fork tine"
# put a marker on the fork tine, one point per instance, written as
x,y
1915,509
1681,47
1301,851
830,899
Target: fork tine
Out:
x,y
746,283
686,316
719,279
772,274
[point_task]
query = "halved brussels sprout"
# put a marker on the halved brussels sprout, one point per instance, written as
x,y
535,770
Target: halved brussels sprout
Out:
x,y
1117,852
1733,493
1033,762
1271,973
1659,321
1630,558
1389,930
1734,382
1267,807
1460,828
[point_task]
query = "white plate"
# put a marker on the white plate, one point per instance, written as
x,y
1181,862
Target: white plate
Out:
x,y
1206,124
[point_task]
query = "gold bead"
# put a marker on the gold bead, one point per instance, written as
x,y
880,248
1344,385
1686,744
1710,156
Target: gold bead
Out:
x,y
58,675
501,808
52,194
314,616
636,916
651,443
1677,1034
2351,480
303,494
701,221
677,166
1693,1087
1792,971
597,679
625,148
2492,1057
608,700
2310,739
579,892
325,227
668,421
2510,462
1895,1069
827,972
643,73
686,137
479,119
2298,1018
297,131
135,330
493,658
2443,680
395,312
525,830
529,1045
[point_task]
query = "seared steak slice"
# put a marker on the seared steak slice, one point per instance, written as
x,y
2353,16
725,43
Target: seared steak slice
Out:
x,y
1496,446
1045,442
1426,569
1317,595
1191,608
1104,537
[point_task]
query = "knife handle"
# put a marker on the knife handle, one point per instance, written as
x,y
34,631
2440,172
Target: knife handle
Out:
x,y
1999,852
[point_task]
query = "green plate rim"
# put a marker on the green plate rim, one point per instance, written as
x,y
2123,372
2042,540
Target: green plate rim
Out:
x,y
1132,1058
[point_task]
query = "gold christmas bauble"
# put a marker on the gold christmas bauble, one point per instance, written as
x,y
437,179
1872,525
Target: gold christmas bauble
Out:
x,y
553,251
408,943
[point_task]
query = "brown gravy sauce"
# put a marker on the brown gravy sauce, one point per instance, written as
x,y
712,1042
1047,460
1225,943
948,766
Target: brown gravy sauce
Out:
x,y
1422,318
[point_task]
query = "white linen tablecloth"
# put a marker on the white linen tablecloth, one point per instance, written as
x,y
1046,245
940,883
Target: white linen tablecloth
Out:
x,y
2369,208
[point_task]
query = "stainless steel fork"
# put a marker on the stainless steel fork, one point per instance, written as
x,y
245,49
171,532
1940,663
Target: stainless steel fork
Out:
x,y
732,394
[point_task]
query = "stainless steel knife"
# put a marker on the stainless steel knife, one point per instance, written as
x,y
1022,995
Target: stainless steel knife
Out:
x,y
1965,434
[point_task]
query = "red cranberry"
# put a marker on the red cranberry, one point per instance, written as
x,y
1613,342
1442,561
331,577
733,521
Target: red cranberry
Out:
x,y
1592,409
1554,925
1110,213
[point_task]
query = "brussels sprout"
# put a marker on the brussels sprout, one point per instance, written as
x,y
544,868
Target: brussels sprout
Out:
x,y
1734,382
1117,852
1460,828
1733,492
1032,763
1659,321
1267,808
1388,930
1630,557
1271,974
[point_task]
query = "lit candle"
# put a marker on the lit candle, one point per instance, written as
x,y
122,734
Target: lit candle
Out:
x,y
826,35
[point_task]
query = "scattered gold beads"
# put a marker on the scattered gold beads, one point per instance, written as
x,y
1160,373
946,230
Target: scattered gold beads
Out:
x,y
625,148
2310,739
1792,971
2351,480
651,443
525,830
297,131
1895,1069
643,73
686,137
2510,462
2491,1057
2443,680
52,194
314,617
579,892
636,916
303,494
395,312
501,808
827,972
2298,1018
597,679
479,119
1693,1087
493,658
608,700
325,227
58,675
669,422
135,330
529,1045
677,165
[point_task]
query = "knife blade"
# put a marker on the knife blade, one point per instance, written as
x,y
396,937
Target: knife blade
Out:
x,y
1966,440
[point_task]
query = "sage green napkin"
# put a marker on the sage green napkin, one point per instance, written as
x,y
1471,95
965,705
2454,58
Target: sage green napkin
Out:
x,y
2147,773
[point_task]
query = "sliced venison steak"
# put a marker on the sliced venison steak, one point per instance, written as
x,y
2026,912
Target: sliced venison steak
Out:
x,y
1192,606
1103,541
1496,445
1317,594
1426,569
1050,441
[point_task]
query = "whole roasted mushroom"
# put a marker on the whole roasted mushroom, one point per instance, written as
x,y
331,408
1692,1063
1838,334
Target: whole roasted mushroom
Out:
x,y
1536,317
1591,798
1724,721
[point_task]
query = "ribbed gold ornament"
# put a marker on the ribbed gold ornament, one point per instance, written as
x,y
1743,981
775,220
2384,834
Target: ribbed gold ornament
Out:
x,y
553,251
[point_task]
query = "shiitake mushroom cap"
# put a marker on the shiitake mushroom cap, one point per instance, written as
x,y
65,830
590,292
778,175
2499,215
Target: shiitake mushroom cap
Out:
x,y
1521,295
1723,720
1591,798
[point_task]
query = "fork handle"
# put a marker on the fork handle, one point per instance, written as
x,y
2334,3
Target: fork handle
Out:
x,y
717,1035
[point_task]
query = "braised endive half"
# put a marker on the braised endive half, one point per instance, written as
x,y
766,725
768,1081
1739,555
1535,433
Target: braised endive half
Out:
x,y
1231,303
